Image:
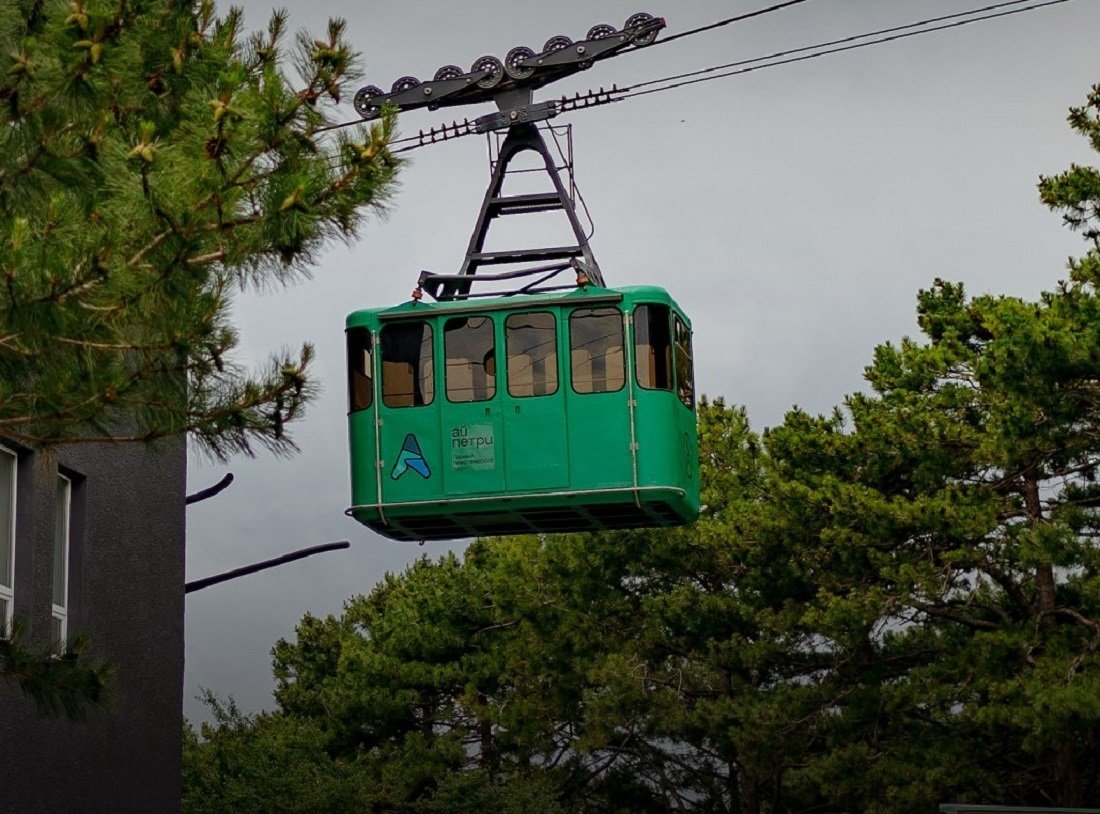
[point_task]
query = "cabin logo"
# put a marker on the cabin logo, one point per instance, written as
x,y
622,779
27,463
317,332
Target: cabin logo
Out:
x,y
472,448
410,457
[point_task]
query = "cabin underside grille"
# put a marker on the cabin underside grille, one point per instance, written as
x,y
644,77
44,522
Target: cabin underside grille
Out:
x,y
557,520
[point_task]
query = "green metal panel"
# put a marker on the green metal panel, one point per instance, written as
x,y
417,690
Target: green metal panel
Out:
x,y
405,427
363,457
599,440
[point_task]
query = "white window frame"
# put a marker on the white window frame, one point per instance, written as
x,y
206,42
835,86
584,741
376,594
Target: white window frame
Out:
x,y
62,530
7,593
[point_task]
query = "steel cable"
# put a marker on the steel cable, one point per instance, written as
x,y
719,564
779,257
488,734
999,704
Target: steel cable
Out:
x,y
923,28
720,23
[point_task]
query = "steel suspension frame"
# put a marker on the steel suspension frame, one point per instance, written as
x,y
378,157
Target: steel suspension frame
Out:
x,y
510,85
579,256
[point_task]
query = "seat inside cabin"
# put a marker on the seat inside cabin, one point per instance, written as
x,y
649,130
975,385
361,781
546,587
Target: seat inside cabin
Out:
x,y
599,372
399,385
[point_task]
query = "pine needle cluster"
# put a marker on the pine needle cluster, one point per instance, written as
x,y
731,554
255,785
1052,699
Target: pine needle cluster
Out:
x,y
67,683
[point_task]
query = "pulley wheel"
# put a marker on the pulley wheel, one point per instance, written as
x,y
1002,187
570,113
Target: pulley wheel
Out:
x,y
512,61
489,63
601,32
363,101
638,19
404,83
556,43
448,72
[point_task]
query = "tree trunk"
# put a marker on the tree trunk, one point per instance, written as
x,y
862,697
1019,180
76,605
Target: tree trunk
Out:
x,y
733,788
1044,572
1064,758
1068,776
750,796
488,750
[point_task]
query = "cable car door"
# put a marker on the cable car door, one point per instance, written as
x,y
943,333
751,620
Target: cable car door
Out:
x,y
600,440
471,422
408,432
535,447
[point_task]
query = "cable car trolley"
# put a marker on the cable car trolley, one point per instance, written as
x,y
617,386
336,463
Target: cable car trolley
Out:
x,y
551,407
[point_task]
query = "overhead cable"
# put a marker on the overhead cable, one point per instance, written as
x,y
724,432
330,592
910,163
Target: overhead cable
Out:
x,y
830,43
774,60
729,21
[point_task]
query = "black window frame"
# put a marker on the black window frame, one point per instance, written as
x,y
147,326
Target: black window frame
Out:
x,y
418,372
358,351
618,312
488,363
686,393
556,366
638,344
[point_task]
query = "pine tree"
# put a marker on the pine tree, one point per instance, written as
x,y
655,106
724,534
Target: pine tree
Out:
x,y
154,159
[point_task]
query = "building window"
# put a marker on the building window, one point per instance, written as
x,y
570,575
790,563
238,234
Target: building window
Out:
x,y
596,350
360,370
407,369
8,464
470,350
653,346
60,603
532,345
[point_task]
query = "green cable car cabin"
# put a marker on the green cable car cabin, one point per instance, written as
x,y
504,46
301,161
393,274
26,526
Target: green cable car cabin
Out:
x,y
540,413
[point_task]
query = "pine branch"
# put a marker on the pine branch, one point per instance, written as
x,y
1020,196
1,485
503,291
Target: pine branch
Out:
x,y
954,615
66,684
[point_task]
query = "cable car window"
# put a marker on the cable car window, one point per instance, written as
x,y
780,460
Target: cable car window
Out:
x,y
470,350
531,342
596,350
360,369
653,346
407,368
685,370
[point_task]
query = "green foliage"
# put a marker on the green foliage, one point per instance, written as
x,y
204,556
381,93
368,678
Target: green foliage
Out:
x,y
153,160
263,763
1076,192
879,610
67,683
254,764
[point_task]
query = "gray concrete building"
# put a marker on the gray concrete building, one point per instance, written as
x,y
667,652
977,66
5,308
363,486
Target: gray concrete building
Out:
x,y
92,542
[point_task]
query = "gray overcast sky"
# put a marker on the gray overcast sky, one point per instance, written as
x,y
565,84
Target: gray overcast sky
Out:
x,y
794,212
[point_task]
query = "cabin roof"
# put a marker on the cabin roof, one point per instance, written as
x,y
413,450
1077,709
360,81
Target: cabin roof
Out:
x,y
584,294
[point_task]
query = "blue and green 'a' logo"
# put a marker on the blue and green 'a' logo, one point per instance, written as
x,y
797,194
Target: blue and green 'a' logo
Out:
x,y
412,458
